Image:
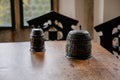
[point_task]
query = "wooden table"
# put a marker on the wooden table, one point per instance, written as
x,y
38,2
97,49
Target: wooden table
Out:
x,y
18,63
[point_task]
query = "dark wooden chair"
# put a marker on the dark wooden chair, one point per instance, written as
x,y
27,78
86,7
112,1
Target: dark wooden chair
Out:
x,y
55,25
110,38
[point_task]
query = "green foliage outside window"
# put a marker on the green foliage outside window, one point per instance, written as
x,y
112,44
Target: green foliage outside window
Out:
x,y
5,13
35,8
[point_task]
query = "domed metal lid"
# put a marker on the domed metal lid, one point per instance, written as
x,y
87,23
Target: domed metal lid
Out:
x,y
37,32
79,35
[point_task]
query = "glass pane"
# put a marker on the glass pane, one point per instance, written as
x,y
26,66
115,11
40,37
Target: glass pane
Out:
x,y
35,8
5,13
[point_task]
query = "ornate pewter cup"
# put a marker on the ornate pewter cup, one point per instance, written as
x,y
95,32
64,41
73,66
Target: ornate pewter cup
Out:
x,y
37,40
78,44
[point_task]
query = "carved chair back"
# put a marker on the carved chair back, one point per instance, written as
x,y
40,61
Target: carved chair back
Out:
x,y
110,38
55,25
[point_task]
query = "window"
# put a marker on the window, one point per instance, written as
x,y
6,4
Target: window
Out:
x,y
33,8
7,17
11,16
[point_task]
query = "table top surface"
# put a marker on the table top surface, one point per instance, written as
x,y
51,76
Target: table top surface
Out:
x,y
18,63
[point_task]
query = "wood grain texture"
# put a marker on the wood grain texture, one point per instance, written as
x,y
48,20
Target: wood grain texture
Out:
x,y
18,63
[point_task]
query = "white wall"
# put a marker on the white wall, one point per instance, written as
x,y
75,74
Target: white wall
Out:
x,y
111,9
67,7
80,12
73,9
98,12
98,16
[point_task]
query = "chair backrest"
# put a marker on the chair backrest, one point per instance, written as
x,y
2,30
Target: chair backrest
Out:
x,y
110,38
55,25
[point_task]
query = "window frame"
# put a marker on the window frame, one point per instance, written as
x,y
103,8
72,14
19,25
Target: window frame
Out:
x,y
22,16
12,10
